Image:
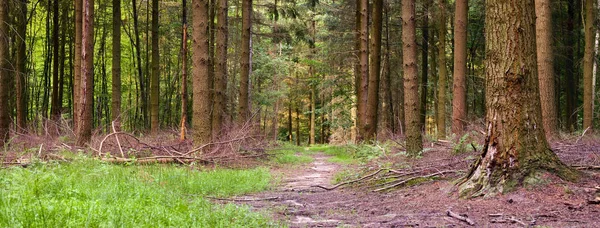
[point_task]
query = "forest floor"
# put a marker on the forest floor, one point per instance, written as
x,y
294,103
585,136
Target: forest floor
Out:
x,y
545,201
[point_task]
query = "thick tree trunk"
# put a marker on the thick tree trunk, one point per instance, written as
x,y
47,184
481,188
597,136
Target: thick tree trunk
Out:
x,y
374,72
588,64
116,64
87,74
21,63
77,64
184,71
154,77
4,74
459,85
515,147
414,141
363,82
220,83
202,103
441,85
245,62
570,90
546,66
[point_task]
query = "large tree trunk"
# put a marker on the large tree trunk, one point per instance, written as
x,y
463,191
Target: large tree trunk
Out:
x,y
546,66
459,85
202,103
515,146
588,64
4,74
570,90
21,63
245,62
374,72
116,64
441,85
220,83
154,77
84,133
414,141
184,71
363,83
77,63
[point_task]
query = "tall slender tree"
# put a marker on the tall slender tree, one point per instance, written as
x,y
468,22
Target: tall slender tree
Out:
x,y
220,82
441,85
588,64
86,94
515,146
4,73
546,66
77,63
375,71
116,64
459,85
21,65
425,61
184,70
56,103
245,62
363,80
201,87
154,77
414,140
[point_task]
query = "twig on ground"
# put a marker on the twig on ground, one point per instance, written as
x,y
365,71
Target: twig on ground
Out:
x,y
582,134
460,217
244,200
515,220
348,182
413,178
580,167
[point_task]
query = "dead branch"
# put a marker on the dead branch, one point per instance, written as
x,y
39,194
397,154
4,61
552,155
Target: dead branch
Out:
x,y
580,167
245,199
460,217
514,220
348,182
213,143
413,178
117,138
155,159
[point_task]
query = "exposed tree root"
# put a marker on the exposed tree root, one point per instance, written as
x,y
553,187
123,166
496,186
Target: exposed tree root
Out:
x,y
460,217
349,182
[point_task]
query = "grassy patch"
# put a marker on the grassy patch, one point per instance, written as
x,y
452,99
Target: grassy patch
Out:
x,y
291,154
88,193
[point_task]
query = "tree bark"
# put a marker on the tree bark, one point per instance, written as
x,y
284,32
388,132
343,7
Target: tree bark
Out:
x,y
459,85
515,147
87,74
184,71
202,103
588,64
425,63
414,141
546,66
363,82
56,103
570,90
220,83
441,85
21,63
4,73
154,77
116,64
77,63
374,72
245,62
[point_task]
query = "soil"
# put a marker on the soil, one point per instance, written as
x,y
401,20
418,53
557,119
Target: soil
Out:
x,y
552,202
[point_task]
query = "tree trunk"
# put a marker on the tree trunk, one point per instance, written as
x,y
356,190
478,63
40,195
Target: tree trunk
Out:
x,y
21,63
290,124
363,82
77,63
116,64
141,77
414,142
425,63
56,104
374,72
4,74
202,103
570,90
184,71
546,66
245,62
588,64
154,77
87,75
220,83
388,109
515,147
459,85
441,85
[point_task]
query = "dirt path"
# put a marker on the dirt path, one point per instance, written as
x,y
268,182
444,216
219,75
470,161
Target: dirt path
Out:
x,y
298,204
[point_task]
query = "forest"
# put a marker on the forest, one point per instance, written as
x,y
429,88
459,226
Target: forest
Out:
x,y
299,113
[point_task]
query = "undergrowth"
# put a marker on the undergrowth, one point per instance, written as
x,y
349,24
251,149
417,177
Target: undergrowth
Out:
x,y
90,193
291,154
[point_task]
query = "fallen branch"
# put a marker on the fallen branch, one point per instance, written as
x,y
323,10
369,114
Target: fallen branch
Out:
x,y
155,159
244,200
580,167
117,137
460,217
213,143
514,220
413,178
348,182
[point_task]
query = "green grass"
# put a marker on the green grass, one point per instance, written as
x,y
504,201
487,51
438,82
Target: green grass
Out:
x,y
89,193
339,154
293,156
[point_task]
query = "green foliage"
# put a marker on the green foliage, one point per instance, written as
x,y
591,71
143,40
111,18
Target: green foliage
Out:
x,y
88,193
291,154
465,144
